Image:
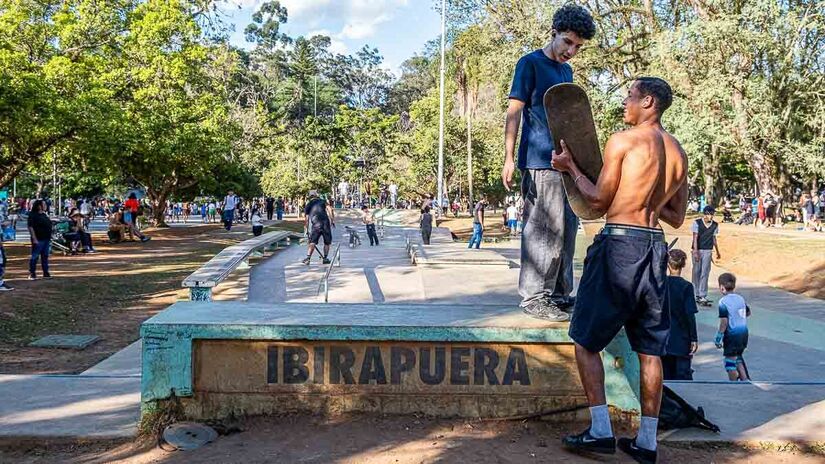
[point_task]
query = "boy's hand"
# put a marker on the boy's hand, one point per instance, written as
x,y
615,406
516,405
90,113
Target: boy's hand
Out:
x,y
694,347
718,340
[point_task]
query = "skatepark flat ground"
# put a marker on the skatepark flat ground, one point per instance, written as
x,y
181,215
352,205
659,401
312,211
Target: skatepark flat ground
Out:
x,y
786,403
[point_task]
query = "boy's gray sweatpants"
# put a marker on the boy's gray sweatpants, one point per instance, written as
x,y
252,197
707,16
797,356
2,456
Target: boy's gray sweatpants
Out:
x,y
548,239
701,272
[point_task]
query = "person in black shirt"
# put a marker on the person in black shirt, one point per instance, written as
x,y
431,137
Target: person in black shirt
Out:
x,y
683,342
319,222
270,208
426,225
279,208
40,230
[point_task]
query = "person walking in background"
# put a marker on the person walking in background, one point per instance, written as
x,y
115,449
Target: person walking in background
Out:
x,y
270,207
732,335
426,225
704,231
257,222
512,219
130,215
681,303
478,223
40,231
393,188
369,221
279,208
4,222
228,209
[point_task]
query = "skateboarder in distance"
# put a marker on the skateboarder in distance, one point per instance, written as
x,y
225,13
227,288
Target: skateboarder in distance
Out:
x,y
320,219
644,180
549,225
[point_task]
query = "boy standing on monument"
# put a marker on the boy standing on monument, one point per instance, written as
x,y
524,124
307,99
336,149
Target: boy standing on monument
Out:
x,y
624,283
550,226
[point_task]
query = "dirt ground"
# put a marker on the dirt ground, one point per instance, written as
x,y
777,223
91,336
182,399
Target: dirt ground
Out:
x,y
108,294
402,440
782,257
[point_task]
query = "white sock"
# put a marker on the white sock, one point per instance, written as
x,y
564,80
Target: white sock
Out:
x,y
647,433
600,422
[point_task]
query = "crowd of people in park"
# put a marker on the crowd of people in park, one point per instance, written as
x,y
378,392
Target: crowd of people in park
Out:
x,y
805,210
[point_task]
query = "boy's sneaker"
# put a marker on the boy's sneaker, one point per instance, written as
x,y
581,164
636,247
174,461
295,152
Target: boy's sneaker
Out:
x,y
325,261
545,310
584,442
32,277
306,260
47,276
145,239
703,301
4,287
644,456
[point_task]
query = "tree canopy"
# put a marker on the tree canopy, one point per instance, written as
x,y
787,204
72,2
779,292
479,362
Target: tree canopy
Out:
x,y
150,92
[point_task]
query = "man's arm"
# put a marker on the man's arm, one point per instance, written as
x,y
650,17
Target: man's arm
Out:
x,y
695,247
716,247
511,125
674,211
599,195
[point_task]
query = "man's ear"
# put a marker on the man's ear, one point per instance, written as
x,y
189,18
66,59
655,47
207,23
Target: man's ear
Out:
x,y
648,102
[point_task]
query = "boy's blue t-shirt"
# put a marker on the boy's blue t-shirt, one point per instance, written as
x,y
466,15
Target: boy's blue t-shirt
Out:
x,y
535,73
733,307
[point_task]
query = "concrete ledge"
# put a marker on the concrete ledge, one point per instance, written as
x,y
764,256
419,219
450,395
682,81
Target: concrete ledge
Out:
x,y
344,358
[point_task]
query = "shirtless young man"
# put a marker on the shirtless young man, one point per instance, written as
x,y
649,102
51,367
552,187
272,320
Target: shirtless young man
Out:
x,y
624,281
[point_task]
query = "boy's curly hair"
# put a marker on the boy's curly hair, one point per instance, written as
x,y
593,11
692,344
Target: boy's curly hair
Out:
x,y
572,17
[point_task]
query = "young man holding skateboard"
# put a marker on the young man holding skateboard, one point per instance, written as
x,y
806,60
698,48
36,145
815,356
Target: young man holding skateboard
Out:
x,y
644,180
550,226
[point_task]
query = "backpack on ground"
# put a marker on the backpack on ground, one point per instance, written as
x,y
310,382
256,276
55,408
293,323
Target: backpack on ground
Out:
x,y
676,413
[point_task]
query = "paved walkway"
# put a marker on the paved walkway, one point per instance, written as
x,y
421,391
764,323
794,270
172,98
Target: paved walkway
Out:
x,y
785,356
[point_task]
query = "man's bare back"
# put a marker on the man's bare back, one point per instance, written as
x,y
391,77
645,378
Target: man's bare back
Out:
x,y
653,168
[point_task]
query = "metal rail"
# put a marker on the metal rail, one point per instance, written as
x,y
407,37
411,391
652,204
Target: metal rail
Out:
x,y
324,283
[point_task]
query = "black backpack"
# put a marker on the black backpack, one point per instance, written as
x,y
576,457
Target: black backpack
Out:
x,y
676,413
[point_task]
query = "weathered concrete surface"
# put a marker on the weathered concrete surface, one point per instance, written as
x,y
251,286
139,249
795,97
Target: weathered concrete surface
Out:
x,y
757,412
436,379
125,362
69,406
171,338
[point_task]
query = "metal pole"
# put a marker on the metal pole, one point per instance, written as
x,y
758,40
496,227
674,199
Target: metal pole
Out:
x,y
440,180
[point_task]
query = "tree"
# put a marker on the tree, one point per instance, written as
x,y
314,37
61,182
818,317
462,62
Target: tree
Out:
x,y
174,127
55,85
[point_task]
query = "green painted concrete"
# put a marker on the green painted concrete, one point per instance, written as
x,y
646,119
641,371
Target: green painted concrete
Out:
x,y
168,337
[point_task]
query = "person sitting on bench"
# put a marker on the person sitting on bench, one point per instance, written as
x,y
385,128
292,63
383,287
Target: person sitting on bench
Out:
x,y
77,232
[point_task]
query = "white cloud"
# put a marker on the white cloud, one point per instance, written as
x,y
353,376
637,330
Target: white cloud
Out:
x,y
359,17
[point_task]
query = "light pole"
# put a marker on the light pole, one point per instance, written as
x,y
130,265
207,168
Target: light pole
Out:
x,y
441,112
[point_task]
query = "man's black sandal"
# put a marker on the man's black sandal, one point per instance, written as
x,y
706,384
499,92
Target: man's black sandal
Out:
x,y
584,442
641,455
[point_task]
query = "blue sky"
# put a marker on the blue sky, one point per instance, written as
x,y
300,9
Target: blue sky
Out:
x,y
398,28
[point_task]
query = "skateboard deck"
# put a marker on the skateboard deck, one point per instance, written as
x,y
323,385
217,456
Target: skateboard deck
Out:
x,y
570,118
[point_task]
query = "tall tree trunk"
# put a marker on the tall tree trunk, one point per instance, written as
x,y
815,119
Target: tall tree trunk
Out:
x,y
469,156
711,172
158,201
759,161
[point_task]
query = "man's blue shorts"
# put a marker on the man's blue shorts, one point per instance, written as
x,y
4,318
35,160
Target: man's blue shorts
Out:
x,y
624,284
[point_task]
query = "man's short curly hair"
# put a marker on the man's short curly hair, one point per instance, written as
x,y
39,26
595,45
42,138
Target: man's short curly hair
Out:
x,y
658,88
572,17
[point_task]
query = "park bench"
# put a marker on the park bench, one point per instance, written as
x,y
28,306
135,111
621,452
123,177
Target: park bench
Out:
x,y
201,282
